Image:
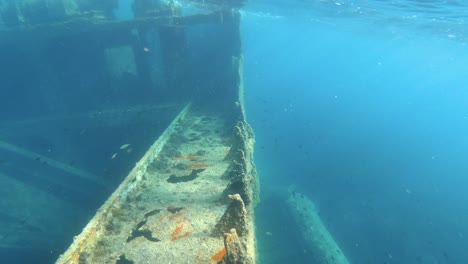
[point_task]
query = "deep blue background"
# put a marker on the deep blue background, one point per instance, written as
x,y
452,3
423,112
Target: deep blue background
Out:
x,y
371,122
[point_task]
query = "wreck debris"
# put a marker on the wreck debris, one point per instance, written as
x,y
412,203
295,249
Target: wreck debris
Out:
x,y
200,140
317,239
182,216
241,172
235,216
236,250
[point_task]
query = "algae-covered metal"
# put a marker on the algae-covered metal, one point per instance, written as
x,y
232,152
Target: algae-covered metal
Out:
x,y
318,241
153,218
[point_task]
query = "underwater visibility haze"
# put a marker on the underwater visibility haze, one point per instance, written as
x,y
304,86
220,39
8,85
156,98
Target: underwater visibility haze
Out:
x,y
359,109
363,106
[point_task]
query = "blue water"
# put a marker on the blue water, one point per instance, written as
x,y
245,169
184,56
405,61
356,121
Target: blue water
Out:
x,y
363,105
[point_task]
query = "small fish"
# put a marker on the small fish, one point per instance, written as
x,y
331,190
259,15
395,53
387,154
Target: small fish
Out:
x,y
115,155
124,146
129,150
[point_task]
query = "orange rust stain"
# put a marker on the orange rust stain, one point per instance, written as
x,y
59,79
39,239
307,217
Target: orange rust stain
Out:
x,y
186,234
219,255
196,166
190,157
177,234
